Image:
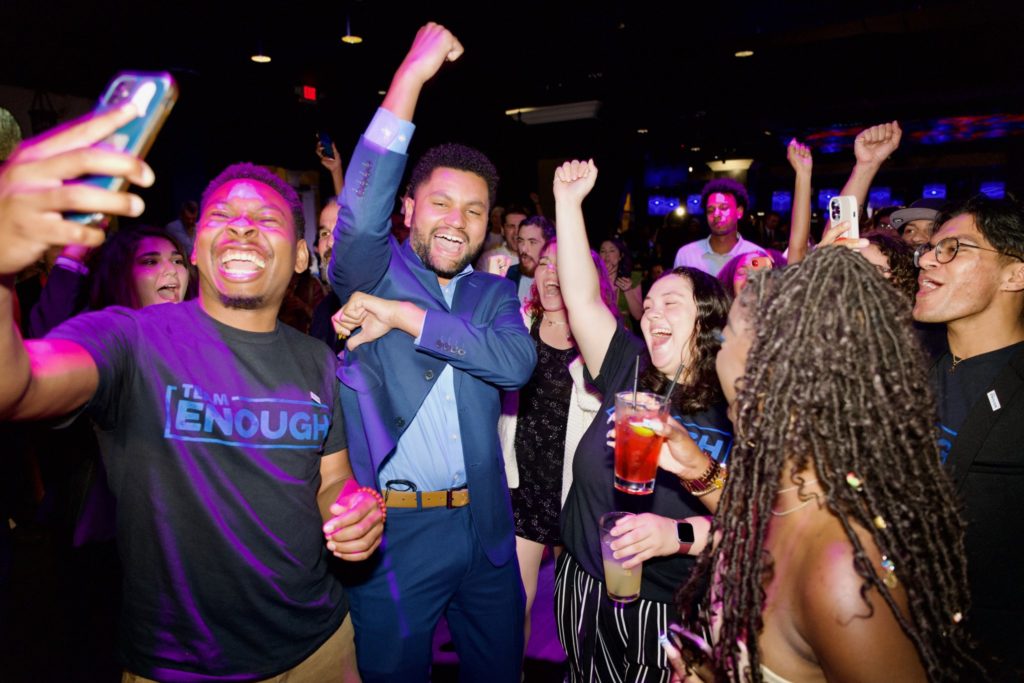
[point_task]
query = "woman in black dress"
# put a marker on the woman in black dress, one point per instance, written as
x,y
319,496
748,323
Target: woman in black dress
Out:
x,y
549,411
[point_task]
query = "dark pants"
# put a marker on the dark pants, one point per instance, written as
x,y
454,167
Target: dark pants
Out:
x,y
431,563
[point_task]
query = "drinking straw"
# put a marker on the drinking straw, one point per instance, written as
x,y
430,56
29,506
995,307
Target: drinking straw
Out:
x,y
636,378
675,380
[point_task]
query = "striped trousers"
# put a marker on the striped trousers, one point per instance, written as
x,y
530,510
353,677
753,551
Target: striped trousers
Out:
x,y
606,642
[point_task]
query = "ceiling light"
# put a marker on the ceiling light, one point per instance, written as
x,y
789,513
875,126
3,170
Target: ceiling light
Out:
x,y
575,111
348,37
744,53
260,58
641,131
730,165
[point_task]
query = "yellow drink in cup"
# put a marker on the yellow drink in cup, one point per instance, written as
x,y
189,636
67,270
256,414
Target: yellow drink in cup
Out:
x,y
622,585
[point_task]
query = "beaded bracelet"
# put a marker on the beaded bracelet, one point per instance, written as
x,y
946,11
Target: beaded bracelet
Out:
x,y
380,501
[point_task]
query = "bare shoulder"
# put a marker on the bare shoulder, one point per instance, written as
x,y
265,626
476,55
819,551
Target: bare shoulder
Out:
x,y
842,615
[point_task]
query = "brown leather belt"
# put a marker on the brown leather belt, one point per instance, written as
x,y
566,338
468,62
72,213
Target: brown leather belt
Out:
x,y
426,499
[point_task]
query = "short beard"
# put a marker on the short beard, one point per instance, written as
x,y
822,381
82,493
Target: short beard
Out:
x,y
423,251
522,270
243,303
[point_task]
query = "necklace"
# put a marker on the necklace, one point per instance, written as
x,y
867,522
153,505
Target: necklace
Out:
x,y
557,323
796,486
956,361
794,509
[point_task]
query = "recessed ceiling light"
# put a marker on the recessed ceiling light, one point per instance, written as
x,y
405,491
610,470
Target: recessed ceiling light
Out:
x,y
642,131
744,53
260,58
351,40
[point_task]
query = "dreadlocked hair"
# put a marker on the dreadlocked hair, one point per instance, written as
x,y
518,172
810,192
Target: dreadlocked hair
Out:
x,y
698,386
835,381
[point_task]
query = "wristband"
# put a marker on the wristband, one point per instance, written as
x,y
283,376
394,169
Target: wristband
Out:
x,y
72,265
684,534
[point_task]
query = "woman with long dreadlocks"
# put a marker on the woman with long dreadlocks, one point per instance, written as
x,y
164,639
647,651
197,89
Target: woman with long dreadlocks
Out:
x,y
838,551
608,641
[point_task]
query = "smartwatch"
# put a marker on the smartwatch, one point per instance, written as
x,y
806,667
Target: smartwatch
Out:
x,y
684,532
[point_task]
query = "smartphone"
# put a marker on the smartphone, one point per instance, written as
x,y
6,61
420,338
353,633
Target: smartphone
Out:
x,y
153,94
326,146
844,208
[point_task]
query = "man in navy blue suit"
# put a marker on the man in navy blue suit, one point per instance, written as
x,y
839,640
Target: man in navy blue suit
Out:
x,y
432,343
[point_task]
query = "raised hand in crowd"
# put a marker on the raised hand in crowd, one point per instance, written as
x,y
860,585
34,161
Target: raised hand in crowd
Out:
x,y
432,47
333,165
800,158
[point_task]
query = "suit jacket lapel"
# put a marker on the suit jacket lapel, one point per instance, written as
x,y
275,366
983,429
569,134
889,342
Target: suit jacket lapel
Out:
x,y
427,278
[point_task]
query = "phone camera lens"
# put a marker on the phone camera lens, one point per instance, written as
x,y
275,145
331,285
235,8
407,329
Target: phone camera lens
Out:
x,y
122,93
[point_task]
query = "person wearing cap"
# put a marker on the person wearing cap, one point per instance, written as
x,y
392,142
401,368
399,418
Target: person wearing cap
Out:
x,y
916,222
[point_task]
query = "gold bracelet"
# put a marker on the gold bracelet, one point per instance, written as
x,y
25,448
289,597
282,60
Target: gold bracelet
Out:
x,y
713,479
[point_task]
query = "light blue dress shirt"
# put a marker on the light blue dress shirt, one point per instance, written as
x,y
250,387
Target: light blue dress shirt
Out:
x,y
429,453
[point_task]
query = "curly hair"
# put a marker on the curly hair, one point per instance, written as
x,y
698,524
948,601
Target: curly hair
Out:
x,y
698,388
834,381
725,186
460,158
247,171
903,274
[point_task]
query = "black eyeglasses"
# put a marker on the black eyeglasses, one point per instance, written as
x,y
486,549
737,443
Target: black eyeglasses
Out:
x,y
947,249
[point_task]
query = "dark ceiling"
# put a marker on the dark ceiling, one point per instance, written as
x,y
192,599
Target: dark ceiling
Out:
x,y
667,69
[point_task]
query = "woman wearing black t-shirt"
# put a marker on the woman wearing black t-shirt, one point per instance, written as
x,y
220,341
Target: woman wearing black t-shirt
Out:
x,y
683,310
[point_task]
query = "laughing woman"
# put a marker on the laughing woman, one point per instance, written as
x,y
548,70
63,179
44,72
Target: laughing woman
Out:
x,y
607,641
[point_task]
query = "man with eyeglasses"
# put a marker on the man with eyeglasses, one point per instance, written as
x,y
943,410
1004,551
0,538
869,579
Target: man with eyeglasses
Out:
x,y
972,279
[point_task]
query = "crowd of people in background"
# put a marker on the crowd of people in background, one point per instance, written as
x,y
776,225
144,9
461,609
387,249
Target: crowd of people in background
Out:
x,y
842,443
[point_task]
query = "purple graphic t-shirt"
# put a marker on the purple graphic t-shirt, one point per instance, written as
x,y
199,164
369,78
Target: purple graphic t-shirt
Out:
x,y
212,439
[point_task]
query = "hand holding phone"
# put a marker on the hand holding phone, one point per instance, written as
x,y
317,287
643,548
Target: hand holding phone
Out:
x,y
153,95
33,192
326,145
844,209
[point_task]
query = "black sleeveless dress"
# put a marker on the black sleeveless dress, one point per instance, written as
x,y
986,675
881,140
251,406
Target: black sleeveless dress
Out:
x,y
540,443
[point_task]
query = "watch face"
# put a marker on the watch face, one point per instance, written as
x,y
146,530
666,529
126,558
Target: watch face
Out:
x,y
685,532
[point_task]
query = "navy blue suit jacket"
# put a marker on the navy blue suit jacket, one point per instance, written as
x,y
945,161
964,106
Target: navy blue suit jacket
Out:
x,y
384,382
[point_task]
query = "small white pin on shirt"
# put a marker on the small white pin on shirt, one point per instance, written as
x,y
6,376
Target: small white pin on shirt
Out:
x,y
315,398
993,401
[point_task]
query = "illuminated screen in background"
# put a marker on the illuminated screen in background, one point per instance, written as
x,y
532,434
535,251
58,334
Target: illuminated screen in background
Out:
x,y
658,205
782,202
693,205
928,132
825,195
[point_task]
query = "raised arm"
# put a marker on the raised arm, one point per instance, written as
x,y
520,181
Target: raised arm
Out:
x,y
800,159
361,238
333,165
431,48
871,148
52,377
593,325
